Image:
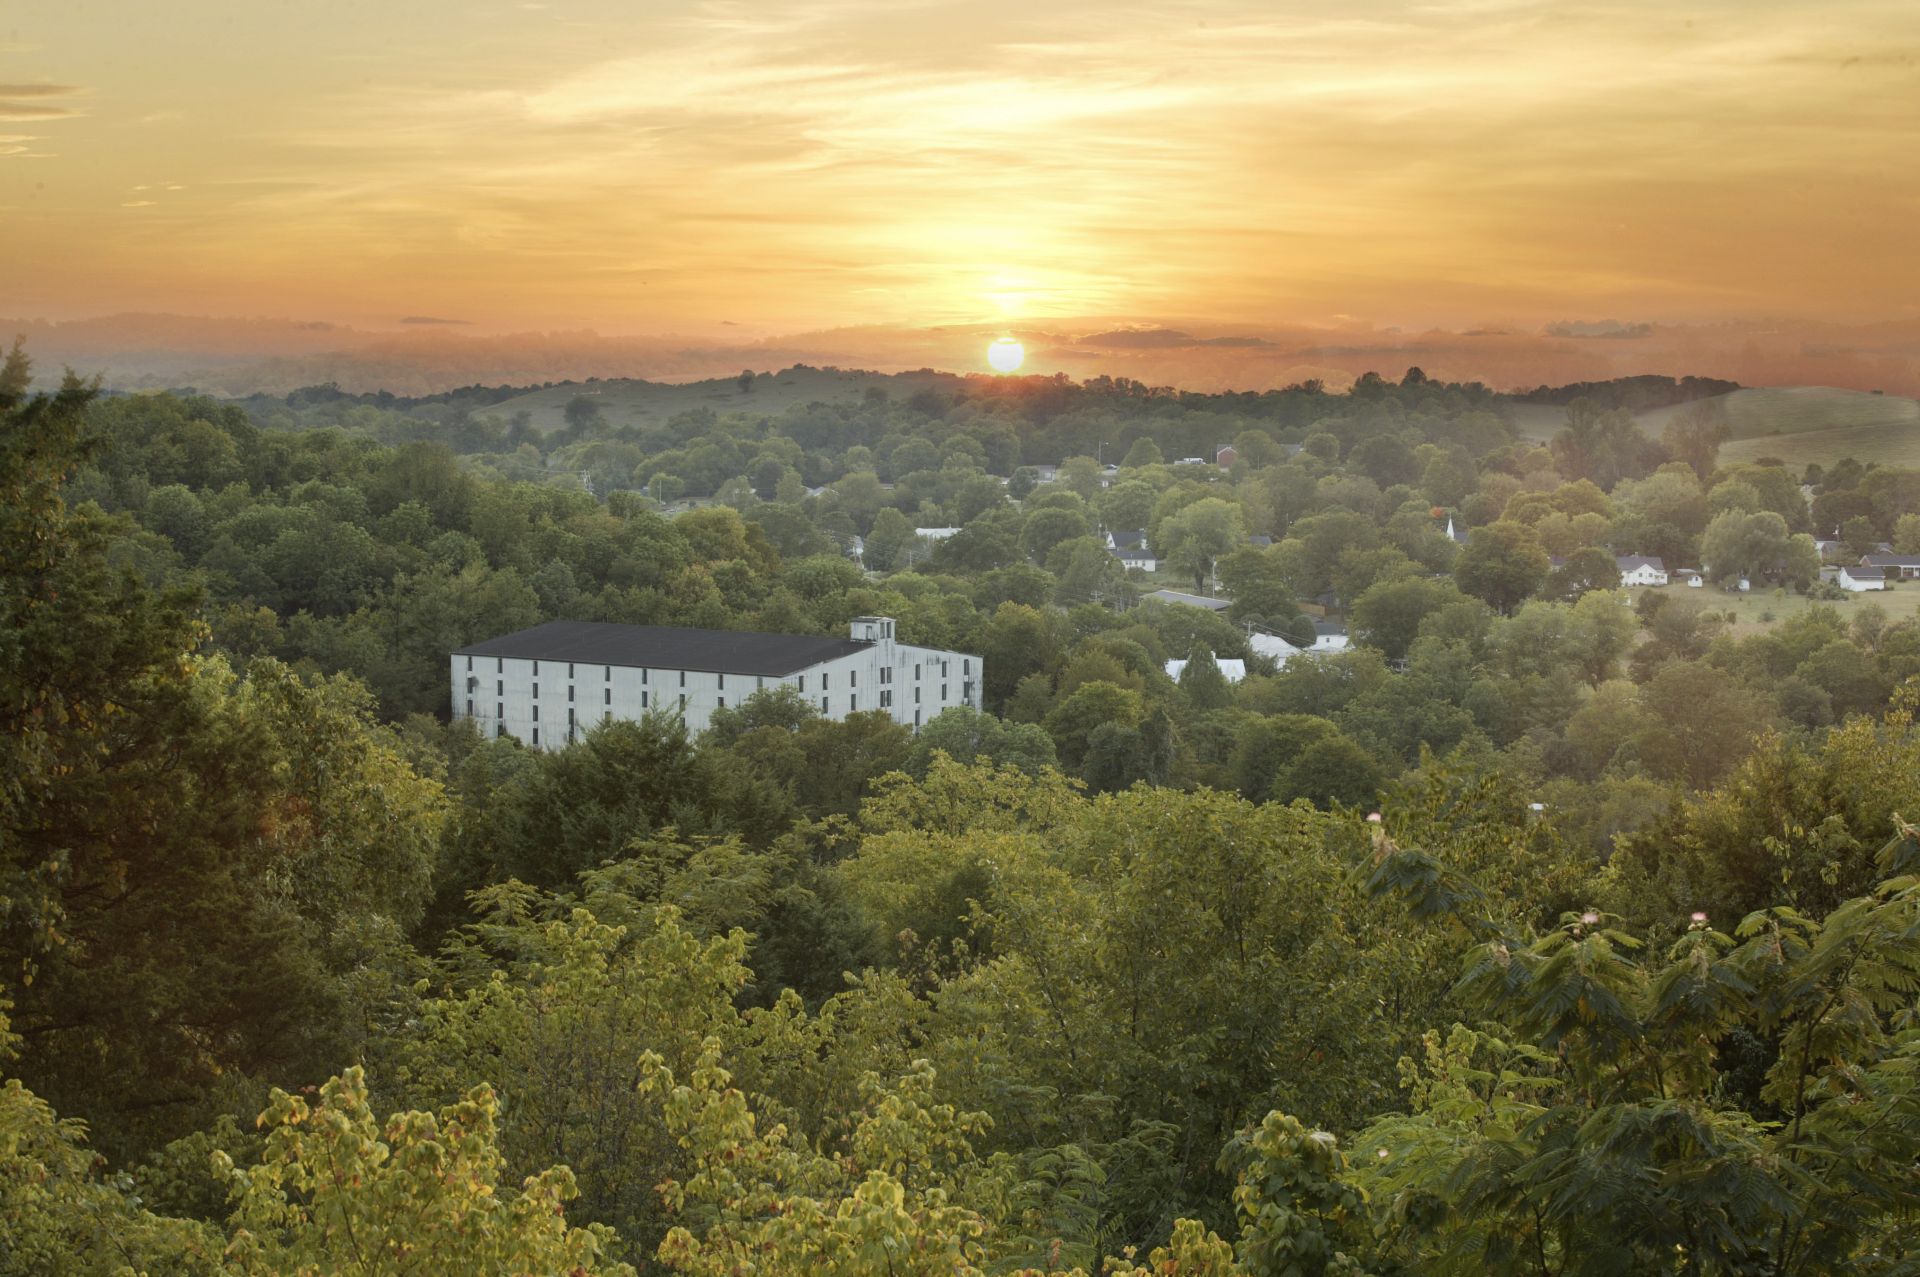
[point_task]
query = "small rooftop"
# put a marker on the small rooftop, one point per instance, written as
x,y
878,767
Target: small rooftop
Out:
x,y
664,647
1235,669
1188,600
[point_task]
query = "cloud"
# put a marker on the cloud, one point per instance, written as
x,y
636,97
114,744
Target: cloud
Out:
x,y
1598,328
19,101
31,111
431,319
1164,339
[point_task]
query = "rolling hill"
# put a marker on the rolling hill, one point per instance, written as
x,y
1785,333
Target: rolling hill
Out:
x,y
1797,424
633,402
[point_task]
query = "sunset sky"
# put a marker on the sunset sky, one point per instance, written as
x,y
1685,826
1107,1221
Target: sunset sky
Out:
x,y
686,167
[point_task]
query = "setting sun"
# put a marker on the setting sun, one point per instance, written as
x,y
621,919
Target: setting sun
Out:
x,y
1006,355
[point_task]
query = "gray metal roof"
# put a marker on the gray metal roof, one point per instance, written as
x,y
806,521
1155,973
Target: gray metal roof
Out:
x,y
1190,600
663,647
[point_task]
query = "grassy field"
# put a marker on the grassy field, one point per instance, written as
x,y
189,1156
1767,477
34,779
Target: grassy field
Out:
x,y
641,402
1889,444
1766,411
1798,425
1899,603
1538,422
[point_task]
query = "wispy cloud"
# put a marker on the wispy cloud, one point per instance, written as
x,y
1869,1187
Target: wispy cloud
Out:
x,y
35,111
29,101
855,161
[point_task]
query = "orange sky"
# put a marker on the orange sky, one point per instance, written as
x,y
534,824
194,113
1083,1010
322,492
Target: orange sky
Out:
x,y
757,168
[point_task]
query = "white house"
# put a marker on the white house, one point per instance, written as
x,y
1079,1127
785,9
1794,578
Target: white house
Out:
x,y
1896,567
1640,569
1136,559
1692,578
1235,670
1274,646
1855,577
545,686
1329,636
1136,539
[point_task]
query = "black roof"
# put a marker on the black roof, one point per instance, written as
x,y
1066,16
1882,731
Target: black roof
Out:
x,y
663,647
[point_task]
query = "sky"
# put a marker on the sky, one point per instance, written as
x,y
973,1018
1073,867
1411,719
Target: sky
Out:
x,y
758,168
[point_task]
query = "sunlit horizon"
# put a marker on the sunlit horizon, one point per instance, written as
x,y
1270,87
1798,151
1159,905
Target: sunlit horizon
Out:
x,y
718,167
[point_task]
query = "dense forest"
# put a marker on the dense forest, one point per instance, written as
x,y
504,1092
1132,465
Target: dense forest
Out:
x,y
1545,930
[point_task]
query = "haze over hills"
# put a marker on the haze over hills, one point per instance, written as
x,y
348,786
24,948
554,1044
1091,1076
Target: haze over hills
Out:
x,y
1795,424
633,401
237,356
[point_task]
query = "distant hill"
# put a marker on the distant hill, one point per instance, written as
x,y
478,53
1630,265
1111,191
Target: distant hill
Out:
x,y
1797,424
625,402
1819,423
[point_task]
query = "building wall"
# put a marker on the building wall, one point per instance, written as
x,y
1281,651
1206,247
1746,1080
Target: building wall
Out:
x,y
518,697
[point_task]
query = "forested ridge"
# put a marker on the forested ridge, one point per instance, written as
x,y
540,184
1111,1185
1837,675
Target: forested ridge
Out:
x,y
1541,932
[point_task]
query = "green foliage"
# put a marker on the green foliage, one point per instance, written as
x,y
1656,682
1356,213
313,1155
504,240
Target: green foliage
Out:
x,y
341,1191
1794,823
59,1214
968,736
1198,535
1502,564
890,1199
811,995
1205,686
551,1001
1757,546
1606,1137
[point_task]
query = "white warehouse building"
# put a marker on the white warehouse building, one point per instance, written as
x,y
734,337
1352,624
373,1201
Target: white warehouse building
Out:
x,y
547,685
